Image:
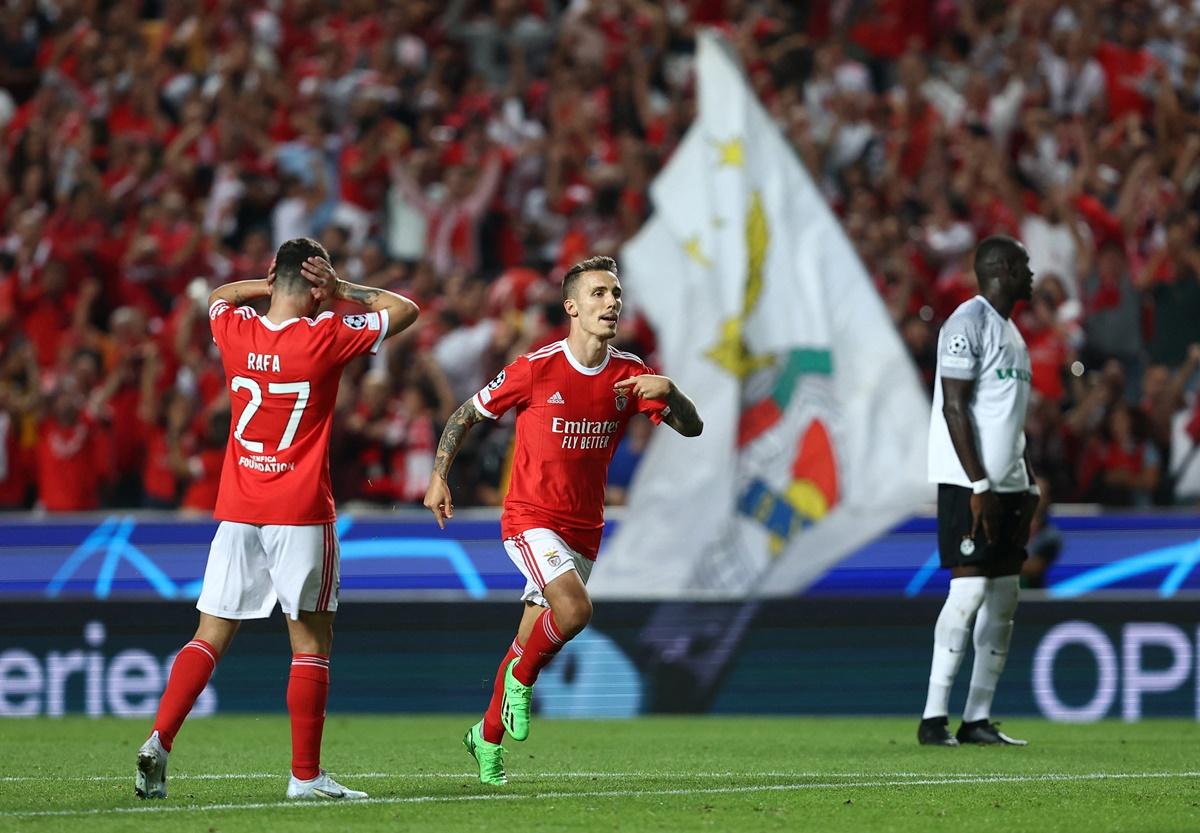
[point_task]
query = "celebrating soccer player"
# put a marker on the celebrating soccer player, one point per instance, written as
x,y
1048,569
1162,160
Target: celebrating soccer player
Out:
x,y
573,400
986,490
276,540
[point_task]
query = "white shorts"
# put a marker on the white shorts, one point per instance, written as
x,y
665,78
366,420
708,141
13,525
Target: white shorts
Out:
x,y
542,556
251,566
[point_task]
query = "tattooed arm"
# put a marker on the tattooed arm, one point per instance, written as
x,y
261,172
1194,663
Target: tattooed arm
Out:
x,y
683,417
682,414
240,292
401,311
437,496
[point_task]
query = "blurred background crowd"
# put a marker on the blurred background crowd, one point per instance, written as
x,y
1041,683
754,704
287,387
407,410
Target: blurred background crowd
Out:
x,y
466,152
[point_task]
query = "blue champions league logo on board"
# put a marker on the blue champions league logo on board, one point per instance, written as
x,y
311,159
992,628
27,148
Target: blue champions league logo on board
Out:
x,y
126,556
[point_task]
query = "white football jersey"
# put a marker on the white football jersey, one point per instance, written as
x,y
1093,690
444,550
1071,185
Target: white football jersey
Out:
x,y
980,344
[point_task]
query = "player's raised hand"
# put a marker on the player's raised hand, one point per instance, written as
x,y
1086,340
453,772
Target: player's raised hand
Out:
x,y
438,500
271,275
320,273
646,386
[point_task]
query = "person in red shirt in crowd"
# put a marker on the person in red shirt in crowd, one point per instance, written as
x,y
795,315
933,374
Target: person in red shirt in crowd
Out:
x,y
169,442
363,173
276,540
14,456
886,28
425,402
453,223
1130,71
131,355
203,467
395,437
377,431
76,232
72,453
18,401
178,241
1050,338
55,315
915,122
573,400
1121,466
196,136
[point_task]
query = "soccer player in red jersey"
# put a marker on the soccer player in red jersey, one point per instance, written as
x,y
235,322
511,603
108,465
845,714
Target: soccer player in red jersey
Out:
x,y
276,540
573,399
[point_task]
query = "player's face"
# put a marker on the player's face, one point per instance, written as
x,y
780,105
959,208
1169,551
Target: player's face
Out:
x,y
1022,277
596,305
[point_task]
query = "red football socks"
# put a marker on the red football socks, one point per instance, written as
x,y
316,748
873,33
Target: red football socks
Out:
x,y
493,728
194,665
540,648
307,693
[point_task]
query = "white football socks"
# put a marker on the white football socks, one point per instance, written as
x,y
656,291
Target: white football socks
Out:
x,y
950,636
993,632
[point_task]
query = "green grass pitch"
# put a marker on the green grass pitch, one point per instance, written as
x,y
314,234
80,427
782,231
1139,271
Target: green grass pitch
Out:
x,y
655,774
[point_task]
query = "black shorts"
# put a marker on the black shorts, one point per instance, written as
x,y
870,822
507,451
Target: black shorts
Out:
x,y
955,545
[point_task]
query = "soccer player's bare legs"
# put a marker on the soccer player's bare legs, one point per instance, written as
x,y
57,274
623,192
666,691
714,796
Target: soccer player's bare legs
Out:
x,y
528,619
570,604
217,632
312,633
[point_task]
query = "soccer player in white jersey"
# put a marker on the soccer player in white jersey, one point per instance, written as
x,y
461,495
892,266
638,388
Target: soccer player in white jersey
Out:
x,y
573,399
277,541
986,489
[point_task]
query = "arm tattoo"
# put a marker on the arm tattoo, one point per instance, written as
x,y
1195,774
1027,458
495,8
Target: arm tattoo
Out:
x,y
456,429
684,417
242,292
358,294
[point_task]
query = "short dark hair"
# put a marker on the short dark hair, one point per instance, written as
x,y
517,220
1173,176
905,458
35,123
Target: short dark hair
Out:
x,y
994,256
290,258
599,263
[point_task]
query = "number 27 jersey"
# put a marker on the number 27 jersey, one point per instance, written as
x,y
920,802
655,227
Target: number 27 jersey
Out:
x,y
283,383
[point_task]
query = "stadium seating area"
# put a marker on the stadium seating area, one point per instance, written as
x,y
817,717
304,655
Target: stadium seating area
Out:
x,y
466,152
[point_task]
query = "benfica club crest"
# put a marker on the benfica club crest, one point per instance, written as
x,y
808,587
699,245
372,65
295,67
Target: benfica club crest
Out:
x,y
622,400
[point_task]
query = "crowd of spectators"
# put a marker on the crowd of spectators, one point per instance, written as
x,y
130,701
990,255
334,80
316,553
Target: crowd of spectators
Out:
x,y
466,152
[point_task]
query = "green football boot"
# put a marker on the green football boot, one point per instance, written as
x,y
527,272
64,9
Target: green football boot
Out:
x,y
489,756
514,710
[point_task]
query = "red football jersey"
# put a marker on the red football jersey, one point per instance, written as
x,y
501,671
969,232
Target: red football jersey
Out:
x,y
283,381
569,422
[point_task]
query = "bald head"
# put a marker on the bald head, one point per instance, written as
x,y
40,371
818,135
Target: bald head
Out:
x,y
996,257
1002,269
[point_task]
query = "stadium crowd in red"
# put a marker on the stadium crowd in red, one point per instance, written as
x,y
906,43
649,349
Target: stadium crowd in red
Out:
x,y
466,152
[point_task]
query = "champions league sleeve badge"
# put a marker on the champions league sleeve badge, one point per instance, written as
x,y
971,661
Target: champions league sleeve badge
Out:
x,y
967,546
